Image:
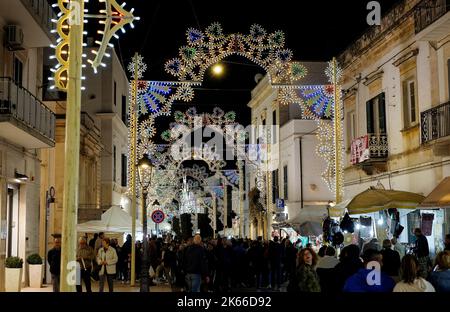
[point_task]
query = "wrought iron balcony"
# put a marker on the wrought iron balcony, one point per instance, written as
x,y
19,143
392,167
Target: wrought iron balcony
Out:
x,y
24,119
378,146
42,12
426,13
369,148
435,123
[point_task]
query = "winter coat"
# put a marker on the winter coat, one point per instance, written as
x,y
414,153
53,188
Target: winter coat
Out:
x,y
307,279
419,285
110,256
87,254
344,270
391,262
195,260
440,280
358,283
54,260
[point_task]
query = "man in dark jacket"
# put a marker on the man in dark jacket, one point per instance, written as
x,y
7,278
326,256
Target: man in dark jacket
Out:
x,y
422,252
391,259
195,265
54,260
275,253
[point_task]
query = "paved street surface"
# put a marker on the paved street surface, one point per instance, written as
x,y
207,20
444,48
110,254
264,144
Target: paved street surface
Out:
x,y
118,287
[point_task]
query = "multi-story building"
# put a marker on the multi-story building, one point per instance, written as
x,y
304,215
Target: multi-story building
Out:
x,y
103,149
106,100
27,125
396,103
295,170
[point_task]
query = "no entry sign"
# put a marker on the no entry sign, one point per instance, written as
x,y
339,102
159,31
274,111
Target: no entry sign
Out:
x,y
158,216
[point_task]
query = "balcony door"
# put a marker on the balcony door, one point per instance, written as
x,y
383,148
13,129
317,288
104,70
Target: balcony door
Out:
x,y
376,116
18,72
12,205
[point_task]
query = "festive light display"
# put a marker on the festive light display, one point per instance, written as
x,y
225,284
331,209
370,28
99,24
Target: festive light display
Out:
x,y
330,134
113,16
207,48
319,100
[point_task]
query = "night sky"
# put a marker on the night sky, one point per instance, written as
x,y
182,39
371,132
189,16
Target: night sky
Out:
x,y
315,31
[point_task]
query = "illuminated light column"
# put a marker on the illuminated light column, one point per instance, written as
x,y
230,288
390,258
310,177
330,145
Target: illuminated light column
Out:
x,y
72,150
133,160
240,164
68,77
268,220
338,131
225,205
214,207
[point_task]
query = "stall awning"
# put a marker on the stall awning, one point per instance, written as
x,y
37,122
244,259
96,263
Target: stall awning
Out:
x,y
439,197
373,200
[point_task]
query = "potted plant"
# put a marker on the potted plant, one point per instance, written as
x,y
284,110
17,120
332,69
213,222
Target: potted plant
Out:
x,y
35,267
13,274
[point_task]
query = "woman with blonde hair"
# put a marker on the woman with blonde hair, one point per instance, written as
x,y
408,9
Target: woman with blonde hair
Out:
x,y
440,277
410,278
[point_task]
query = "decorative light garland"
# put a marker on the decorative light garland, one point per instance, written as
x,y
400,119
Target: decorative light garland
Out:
x,y
113,16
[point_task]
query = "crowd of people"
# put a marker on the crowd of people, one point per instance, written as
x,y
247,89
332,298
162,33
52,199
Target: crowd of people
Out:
x,y
223,265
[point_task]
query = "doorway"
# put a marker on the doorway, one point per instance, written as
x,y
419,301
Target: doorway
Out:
x,y
12,219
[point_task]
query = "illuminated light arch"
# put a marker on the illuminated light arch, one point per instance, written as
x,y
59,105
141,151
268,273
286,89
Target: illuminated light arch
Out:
x,y
206,48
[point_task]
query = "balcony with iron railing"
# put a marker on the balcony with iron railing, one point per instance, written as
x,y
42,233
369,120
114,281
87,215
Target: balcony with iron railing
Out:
x,y
435,123
24,119
42,12
370,152
432,19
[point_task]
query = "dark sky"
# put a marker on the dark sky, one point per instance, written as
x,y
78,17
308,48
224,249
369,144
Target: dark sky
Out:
x,y
315,31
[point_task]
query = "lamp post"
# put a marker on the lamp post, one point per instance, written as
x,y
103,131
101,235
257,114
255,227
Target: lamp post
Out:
x,y
145,170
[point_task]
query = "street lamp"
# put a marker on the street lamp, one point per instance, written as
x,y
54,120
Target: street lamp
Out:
x,y
145,170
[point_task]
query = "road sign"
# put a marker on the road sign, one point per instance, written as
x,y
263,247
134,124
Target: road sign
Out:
x,y
158,216
280,203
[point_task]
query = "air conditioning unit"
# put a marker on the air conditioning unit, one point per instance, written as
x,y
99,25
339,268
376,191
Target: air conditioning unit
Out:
x,y
14,37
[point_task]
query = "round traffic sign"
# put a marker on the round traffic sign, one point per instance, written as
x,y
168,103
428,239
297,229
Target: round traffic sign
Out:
x,y
158,216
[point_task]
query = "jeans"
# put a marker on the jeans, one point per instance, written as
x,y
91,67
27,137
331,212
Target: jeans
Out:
x,y
86,277
109,278
193,282
55,282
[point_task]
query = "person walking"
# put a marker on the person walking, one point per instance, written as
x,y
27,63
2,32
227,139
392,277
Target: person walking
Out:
x,y
349,264
107,259
54,260
99,242
326,269
440,277
411,281
306,278
275,254
93,240
391,260
195,265
85,256
422,252
126,253
398,247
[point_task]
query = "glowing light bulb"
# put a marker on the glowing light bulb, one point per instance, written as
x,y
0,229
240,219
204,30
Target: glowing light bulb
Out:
x,y
217,69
